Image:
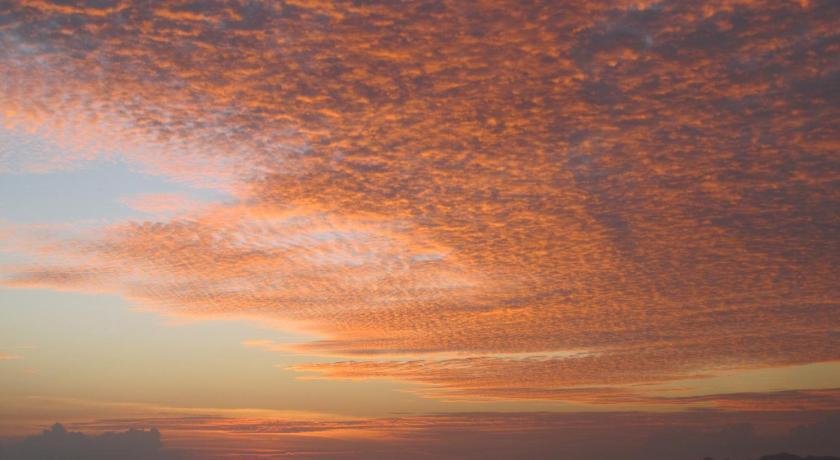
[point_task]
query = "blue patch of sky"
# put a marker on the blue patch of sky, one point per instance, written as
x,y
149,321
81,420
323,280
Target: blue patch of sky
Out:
x,y
94,192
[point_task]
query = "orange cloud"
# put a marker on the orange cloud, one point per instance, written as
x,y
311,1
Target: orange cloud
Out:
x,y
652,187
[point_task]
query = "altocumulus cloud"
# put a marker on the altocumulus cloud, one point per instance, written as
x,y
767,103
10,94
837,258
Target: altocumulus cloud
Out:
x,y
651,184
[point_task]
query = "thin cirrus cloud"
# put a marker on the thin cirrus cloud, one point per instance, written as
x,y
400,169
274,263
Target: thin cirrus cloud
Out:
x,y
650,189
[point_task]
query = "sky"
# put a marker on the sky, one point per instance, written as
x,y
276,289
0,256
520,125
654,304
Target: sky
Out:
x,y
433,229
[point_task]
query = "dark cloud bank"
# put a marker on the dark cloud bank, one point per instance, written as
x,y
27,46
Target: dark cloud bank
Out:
x,y
810,441
58,443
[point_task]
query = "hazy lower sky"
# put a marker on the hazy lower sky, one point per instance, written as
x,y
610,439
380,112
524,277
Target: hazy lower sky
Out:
x,y
354,229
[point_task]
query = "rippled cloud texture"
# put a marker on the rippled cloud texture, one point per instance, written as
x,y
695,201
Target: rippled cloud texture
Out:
x,y
539,200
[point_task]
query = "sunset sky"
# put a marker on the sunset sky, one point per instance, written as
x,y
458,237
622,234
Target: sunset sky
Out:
x,y
423,229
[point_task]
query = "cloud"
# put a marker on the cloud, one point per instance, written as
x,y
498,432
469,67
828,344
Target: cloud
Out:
x,y
160,203
55,278
575,436
648,187
57,442
265,344
573,379
818,399
610,380
741,441
786,456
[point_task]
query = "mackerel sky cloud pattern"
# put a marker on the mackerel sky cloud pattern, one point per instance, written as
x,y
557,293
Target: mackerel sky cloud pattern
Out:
x,y
541,200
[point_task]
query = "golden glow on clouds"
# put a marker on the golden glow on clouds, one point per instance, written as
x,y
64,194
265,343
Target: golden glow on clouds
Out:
x,y
569,199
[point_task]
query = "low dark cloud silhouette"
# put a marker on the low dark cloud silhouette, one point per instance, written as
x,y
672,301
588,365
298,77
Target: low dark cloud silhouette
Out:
x,y
742,441
58,443
786,456
689,435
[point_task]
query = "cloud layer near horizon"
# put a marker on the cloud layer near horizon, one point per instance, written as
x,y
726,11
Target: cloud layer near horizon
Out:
x,y
615,193
574,436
